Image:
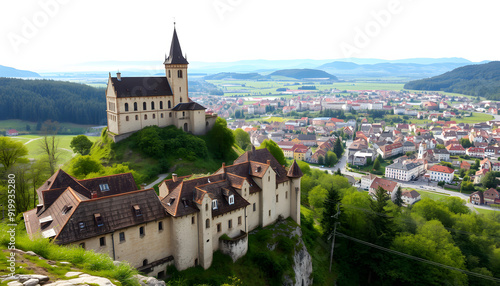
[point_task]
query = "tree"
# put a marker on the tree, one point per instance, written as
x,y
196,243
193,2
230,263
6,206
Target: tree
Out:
x,y
317,196
329,210
274,149
441,183
321,160
11,152
376,164
338,172
381,221
465,142
467,187
49,144
331,158
489,180
28,127
242,138
84,165
398,200
81,144
440,146
337,148
220,138
462,173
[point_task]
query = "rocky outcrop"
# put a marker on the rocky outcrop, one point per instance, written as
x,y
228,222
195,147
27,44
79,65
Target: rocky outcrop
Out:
x,y
37,280
148,281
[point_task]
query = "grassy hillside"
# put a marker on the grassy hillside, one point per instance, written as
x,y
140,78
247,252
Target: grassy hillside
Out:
x,y
476,80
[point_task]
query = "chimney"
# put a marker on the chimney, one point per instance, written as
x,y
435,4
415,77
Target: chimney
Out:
x,y
143,186
93,195
174,177
223,165
268,162
119,76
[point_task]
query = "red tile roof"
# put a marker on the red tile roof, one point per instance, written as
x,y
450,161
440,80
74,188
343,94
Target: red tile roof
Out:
x,y
442,169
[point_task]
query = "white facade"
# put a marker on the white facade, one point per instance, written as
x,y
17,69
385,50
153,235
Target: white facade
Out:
x,y
403,172
441,176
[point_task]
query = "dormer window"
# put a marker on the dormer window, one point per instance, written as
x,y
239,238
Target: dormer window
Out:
x,y
170,201
66,209
231,199
98,220
104,187
137,210
214,204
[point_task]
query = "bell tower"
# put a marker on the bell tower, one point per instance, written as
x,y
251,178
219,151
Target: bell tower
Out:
x,y
176,71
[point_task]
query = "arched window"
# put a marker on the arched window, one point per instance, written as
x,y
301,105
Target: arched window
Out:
x,y
185,127
169,104
207,223
161,104
144,262
183,114
152,105
137,117
135,106
126,118
179,73
126,106
145,117
144,106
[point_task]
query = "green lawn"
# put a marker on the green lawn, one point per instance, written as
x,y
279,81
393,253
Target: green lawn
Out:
x,y
431,195
485,211
20,126
32,142
475,118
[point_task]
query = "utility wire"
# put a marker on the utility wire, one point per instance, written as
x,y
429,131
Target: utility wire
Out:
x,y
419,259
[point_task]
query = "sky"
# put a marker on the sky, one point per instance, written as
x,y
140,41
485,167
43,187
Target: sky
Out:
x,y
50,35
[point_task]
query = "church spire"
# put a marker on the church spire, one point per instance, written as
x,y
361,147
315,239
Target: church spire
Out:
x,y
175,56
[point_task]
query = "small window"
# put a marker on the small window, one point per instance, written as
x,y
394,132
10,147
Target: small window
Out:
x,y
161,115
183,114
206,207
126,118
135,106
239,220
180,99
81,225
82,245
276,198
179,73
231,199
269,212
180,89
169,104
169,73
102,241
137,210
161,104
192,220
160,226
152,105
104,187
219,227
137,117
214,204
122,236
207,223
126,106
144,262
170,114
145,117
141,231
144,106
230,223
66,209
154,116
286,195
268,178
98,220
254,207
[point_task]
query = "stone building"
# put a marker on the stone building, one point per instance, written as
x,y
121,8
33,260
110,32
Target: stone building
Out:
x,y
182,226
137,102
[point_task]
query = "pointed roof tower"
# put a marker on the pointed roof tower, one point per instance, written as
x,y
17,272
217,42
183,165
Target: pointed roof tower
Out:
x,y
175,56
294,171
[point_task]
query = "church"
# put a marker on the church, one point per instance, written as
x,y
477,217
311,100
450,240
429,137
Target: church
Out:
x,y
133,103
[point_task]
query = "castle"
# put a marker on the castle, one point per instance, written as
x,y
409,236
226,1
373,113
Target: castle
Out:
x,y
183,225
136,102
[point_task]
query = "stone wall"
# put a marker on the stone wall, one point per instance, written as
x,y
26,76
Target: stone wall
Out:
x,y
236,247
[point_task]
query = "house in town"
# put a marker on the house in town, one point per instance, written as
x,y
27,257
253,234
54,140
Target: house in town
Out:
x,y
11,132
477,198
440,173
404,171
389,186
410,197
491,196
366,181
181,226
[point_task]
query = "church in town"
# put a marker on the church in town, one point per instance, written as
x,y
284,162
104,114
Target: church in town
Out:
x,y
136,102
184,225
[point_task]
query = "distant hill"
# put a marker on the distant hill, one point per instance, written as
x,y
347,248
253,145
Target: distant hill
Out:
x,y
477,80
232,75
12,72
303,74
40,100
397,69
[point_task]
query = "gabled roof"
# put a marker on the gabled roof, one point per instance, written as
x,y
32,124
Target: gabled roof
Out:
x,y
175,56
188,106
141,86
387,185
261,156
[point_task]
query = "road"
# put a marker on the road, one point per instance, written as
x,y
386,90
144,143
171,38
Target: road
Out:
x,y
418,185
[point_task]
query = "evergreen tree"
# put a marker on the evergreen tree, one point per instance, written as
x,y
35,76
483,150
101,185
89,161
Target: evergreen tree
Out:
x,y
376,164
337,148
381,221
398,200
329,210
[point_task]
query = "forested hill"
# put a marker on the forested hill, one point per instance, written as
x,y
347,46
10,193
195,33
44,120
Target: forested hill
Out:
x,y
40,100
303,74
477,80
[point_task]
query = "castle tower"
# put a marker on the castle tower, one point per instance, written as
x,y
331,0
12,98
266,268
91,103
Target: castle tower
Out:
x,y
176,71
